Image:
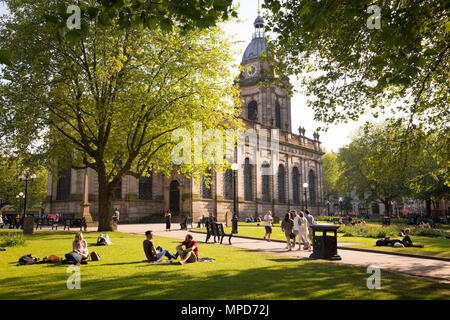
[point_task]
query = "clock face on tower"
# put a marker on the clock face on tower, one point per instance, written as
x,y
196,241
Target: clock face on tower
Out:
x,y
251,70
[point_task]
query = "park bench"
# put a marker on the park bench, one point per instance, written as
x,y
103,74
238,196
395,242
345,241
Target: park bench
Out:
x,y
75,223
216,230
185,223
202,222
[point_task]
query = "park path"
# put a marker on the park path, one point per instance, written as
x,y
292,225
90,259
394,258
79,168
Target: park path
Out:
x,y
428,268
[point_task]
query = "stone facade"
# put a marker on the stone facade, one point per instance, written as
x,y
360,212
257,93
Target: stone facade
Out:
x,y
263,108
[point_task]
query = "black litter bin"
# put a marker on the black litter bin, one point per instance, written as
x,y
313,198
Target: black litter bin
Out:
x,y
325,245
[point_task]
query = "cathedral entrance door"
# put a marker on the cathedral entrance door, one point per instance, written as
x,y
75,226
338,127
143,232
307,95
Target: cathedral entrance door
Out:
x,y
175,197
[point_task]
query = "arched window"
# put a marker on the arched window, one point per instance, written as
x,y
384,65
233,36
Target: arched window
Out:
x,y
265,185
253,110
145,188
281,191
312,188
247,180
117,195
63,185
228,185
295,185
206,189
277,115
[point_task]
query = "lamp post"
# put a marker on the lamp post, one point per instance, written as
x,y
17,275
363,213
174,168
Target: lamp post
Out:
x,y
328,207
305,186
234,229
26,175
340,205
19,197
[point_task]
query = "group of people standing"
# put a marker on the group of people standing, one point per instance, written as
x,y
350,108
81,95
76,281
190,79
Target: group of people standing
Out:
x,y
293,225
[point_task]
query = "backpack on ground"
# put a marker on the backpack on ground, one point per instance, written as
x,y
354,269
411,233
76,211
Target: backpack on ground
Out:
x,y
381,243
73,257
27,259
95,256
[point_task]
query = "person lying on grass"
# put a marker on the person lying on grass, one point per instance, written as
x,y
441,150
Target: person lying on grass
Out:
x,y
150,251
190,254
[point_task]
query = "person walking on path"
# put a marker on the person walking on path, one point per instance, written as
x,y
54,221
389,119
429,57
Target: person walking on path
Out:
x,y
168,217
287,225
268,225
303,232
295,217
116,216
310,219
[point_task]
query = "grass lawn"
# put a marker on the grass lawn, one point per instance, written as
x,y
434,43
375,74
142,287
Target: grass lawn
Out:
x,y
433,246
237,274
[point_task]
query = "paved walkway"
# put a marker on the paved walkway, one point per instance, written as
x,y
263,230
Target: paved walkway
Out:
x,y
433,269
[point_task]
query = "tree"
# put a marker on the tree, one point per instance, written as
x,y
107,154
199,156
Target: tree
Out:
x,y
187,15
350,67
333,184
111,101
10,185
428,169
373,167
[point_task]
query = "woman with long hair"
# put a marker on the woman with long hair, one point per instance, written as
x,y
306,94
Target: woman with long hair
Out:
x,y
303,231
168,217
287,225
80,246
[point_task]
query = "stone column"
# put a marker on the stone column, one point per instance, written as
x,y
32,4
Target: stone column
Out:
x,y
85,205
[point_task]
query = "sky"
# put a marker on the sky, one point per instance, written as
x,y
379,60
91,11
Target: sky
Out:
x,y
337,135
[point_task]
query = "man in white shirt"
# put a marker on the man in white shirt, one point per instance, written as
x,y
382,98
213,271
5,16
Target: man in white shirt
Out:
x,y
268,225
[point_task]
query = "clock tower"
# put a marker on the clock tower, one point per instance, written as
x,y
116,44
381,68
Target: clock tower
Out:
x,y
268,105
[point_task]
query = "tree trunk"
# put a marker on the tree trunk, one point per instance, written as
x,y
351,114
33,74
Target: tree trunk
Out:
x,y
428,208
105,195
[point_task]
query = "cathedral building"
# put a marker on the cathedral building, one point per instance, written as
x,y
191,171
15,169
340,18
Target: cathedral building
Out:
x,y
263,108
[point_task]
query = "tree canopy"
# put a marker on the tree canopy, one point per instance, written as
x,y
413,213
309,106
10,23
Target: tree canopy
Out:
x,y
111,100
348,67
377,165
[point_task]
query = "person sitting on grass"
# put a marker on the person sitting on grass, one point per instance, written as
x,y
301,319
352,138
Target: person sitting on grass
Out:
x,y
407,242
190,254
150,251
79,246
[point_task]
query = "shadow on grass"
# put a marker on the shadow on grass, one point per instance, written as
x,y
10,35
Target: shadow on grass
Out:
x,y
288,280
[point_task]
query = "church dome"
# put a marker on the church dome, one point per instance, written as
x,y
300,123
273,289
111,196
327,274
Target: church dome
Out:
x,y
257,45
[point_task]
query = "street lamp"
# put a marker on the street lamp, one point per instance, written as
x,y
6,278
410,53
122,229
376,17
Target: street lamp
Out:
x,y
305,186
340,205
26,175
234,228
